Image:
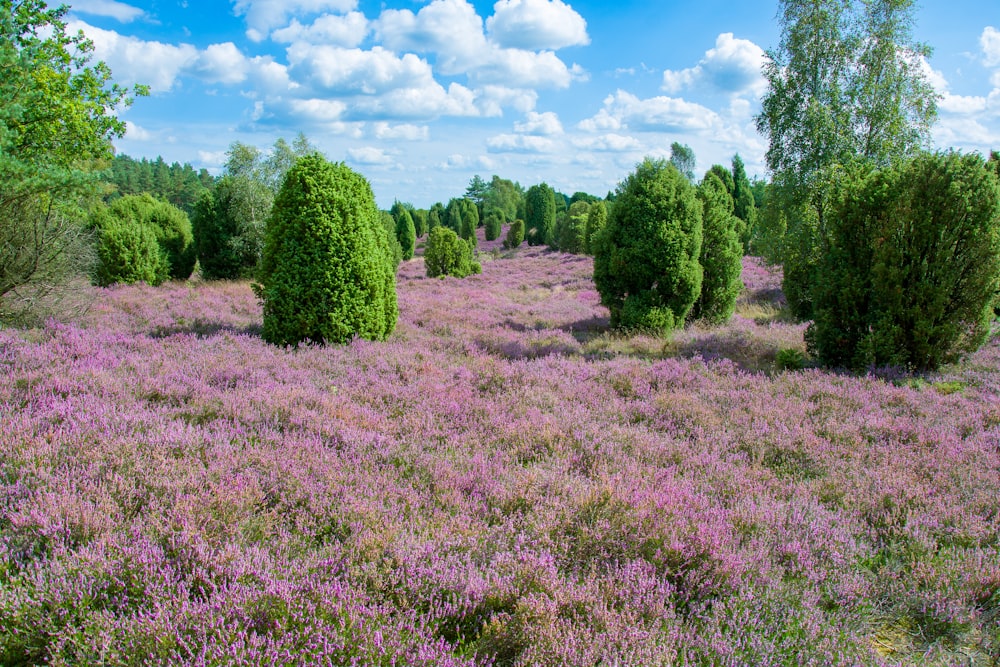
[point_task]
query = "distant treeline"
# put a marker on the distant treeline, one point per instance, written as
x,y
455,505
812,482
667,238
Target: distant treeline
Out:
x,y
175,183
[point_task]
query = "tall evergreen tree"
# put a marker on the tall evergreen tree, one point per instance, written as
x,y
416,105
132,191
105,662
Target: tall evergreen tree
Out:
x,y
646,264
721,253
540,214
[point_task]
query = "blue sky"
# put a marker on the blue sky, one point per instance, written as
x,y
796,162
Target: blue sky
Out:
x,y
420,96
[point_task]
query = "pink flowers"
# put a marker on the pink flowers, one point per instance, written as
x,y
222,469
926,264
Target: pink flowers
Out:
x,y
502,481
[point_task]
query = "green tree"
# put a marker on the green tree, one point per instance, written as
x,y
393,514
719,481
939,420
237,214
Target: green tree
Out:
x,y
682,157
57,121
540,214
571,233
503,196
392,245
326,274
419,221
169,224
228,246
470,222
477,191
646,261
493,225
911,272
406,234
721,253
515,235
744,206
597,218
447,254
846,83
435,216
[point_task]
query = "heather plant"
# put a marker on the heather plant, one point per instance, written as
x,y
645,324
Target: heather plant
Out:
x,y
721,253
646,264
326,272
165,502
913,265
447,254
515,235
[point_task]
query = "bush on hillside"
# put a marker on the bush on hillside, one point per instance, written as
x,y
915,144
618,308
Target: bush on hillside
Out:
x,y
721,253
914,261
170,225
447,254
493,225
127,252
515,235
646,265
326,272
539,214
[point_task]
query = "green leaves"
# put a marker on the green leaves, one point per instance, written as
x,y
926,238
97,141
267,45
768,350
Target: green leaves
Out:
x,y
327,273
646,263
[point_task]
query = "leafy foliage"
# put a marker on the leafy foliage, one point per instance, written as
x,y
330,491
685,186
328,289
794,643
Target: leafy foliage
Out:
x,y
448,254
597,218
646,263
326,272
170,225
682,157
406,233
57,120
540,214
515,235
571,229
134,219
913,264
721,253
493,225
228,245
846,83
127,251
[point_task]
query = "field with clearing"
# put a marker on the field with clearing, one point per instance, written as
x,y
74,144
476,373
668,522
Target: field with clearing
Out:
x,y
504,481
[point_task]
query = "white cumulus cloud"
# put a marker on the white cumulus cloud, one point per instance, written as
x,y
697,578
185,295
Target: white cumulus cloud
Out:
x,y
536,25
990,43
611,143
406,132
732,66
336,70
624,110
520,143
263,16
369,155
450,29
133,60
110,8
542,124
348,30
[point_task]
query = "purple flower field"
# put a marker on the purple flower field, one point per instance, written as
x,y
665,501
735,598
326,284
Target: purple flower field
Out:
x,y
503,482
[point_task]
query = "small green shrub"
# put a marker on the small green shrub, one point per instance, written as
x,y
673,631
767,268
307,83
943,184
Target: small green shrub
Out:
x,y
646,265
127,252
913,266
447,254
790,359
170,225
326,273
515,235
493,226
721,253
